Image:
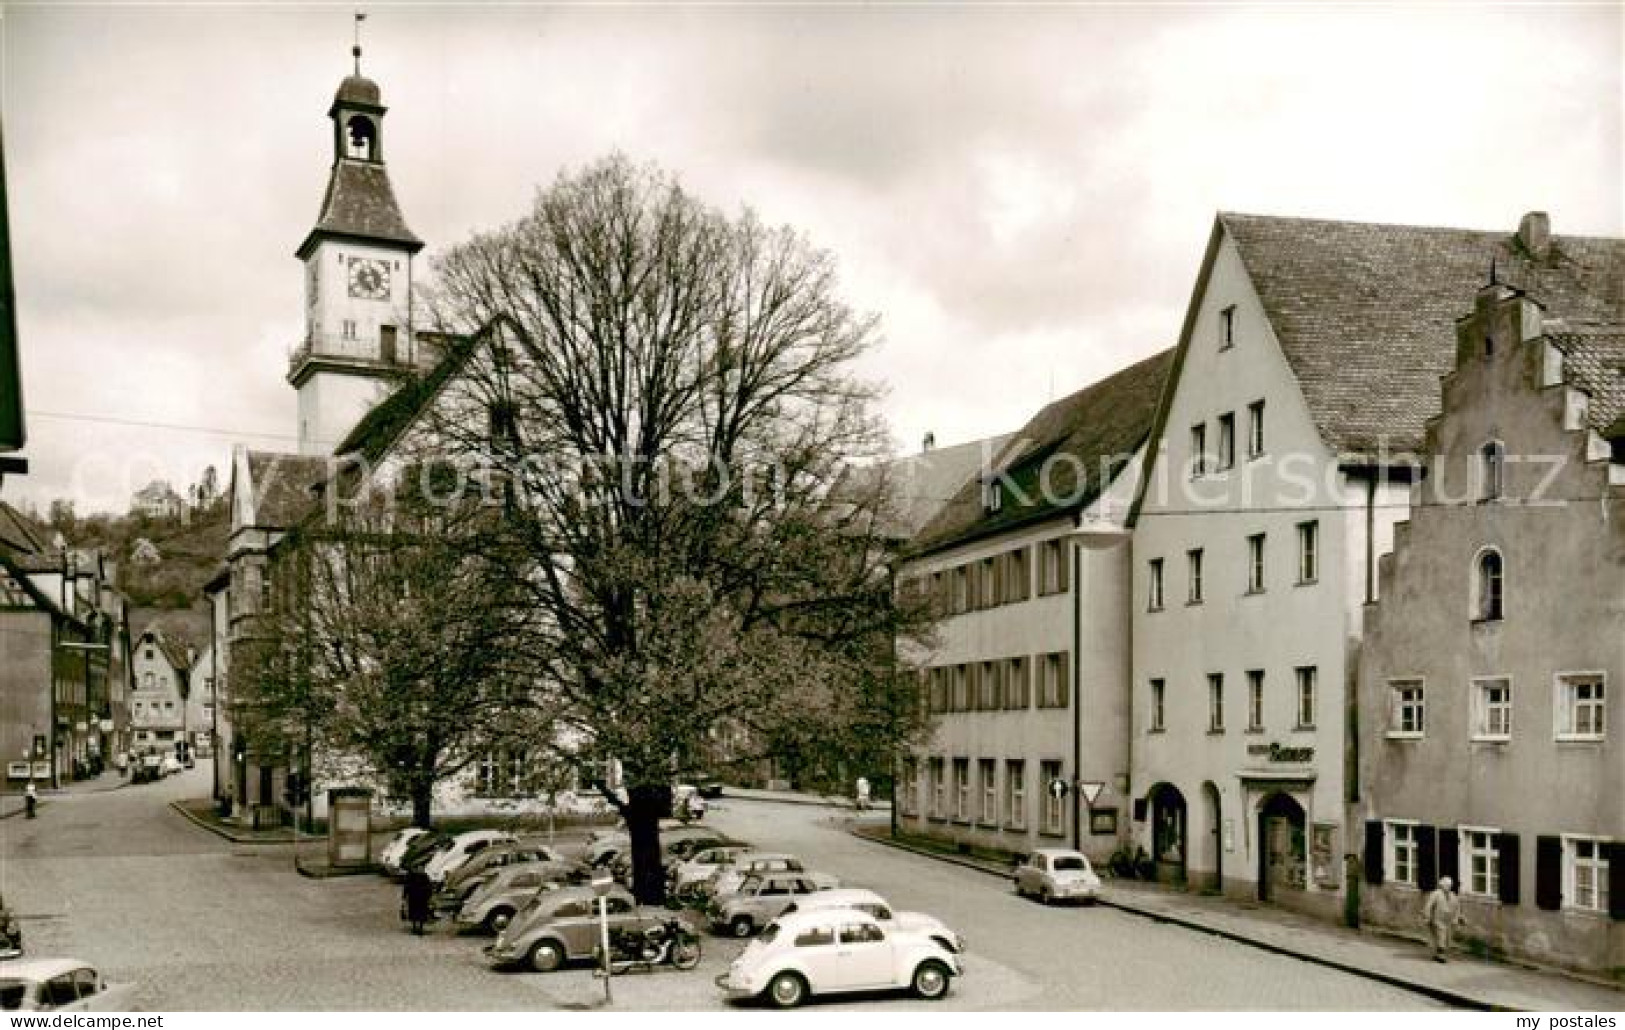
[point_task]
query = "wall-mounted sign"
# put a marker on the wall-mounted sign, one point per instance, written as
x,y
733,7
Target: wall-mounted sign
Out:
x,y
1057,788
1282,753
17,770
42,770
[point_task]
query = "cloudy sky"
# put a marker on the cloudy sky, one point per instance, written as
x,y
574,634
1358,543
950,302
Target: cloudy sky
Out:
x,y
1021,192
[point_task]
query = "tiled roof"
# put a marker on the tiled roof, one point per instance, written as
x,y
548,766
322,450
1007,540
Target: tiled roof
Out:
x,y
18,533
1595,362
379,428
1366,313
360,202
1098,429
173,651
923,483
282,486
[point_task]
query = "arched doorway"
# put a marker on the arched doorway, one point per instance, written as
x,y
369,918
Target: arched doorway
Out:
x,y
1212,861
1283,861
1168,832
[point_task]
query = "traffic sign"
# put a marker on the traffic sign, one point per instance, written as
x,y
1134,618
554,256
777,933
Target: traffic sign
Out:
x,y
1057,788
1090,789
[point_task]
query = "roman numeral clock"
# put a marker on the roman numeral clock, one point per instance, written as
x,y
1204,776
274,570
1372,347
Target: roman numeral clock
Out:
x,y
369,278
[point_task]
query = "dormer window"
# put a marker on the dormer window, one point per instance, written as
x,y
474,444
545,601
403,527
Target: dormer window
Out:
x,y
1491,470
992,496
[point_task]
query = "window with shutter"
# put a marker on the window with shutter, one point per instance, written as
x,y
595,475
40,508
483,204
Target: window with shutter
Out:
x,y
1506,845
1549,873
1373,851
1427,858
1450,856
1615,852
1064,688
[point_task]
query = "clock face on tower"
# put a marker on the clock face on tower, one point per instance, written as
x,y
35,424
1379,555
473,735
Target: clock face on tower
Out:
x,y
369,279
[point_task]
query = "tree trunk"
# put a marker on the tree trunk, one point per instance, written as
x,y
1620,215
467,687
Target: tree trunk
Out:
x,y
422,801
647,804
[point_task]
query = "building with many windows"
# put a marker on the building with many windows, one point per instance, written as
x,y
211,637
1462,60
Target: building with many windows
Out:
x,y
1027,683
1306,372
1487,749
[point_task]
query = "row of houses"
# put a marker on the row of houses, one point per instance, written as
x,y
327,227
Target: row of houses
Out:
x,y
1320,605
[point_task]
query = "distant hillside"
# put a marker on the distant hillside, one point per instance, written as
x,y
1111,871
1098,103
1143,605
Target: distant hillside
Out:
x,y
190,548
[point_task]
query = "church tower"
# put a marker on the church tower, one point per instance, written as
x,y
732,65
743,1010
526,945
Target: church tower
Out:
x,y
358,279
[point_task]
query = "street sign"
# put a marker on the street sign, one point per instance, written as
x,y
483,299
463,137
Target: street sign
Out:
x,y
1090,789
1057,788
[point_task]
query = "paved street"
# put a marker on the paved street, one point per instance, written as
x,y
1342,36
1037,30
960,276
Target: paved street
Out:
x,y
200,923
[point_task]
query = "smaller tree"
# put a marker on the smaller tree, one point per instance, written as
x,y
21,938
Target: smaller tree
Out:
x,y
383,649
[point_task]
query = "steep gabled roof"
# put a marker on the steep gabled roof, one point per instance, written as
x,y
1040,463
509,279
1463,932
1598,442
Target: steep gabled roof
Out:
x,y
922,484
19,533
1366,313
1091,433
1595,362
360,204
380,428
282,486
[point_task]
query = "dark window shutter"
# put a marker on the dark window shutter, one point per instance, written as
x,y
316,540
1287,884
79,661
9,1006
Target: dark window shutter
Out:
x,y
1549,873
1450,855
1139,810
1616,878
1063,693
1507,853
1427,858
1374,842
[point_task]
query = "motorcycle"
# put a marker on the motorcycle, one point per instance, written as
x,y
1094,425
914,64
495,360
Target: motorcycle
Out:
x,y
669,941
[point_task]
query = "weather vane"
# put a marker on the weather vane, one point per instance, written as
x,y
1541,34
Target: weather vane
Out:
x,y
360,16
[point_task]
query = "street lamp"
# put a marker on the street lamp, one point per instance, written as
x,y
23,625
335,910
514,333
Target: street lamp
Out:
x,y
1094,532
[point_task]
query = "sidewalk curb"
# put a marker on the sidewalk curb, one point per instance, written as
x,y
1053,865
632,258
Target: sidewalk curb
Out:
x,y
824,800
220,831
1442,994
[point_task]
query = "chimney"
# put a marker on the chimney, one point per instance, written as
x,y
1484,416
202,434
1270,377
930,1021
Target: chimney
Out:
x,y
929,442
1535,233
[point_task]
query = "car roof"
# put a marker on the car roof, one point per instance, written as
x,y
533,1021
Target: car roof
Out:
x,y
41,968
564,894
801,917
1059,853
771,856
842,897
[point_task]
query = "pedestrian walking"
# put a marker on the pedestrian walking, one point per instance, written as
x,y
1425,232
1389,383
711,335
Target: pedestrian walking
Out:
x,y
862,793
31,799
415,898
1442,914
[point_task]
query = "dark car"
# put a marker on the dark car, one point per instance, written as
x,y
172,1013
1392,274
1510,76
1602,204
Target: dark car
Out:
x,y
562,926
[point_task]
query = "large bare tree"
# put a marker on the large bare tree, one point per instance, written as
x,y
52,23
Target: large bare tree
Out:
x,y
673,425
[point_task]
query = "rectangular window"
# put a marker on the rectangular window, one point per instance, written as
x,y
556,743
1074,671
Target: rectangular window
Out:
x,y
1015,792
1215,702
961,600
1255,563
991,697
1193,576
962,789
1018,585
1157,701
1154,585
1198,450
1255,699
1227,328
1308,552
1480,863
987,585
988,769
937,809
1255,429
1306,697
1581,706
1227,441
1019,694
1406,715
1054,807
1403,852
1492,708
1052,685
1585,873
1053,567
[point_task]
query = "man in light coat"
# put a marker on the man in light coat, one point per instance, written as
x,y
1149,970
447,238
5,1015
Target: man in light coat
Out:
x,y
1442,913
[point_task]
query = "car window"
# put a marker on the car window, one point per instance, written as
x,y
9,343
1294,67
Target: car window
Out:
x,y
861,933
86,980
619,906
793,865
769,935
774,887
12,993
751,885
805,887
878,911
527,880
570,910
815,937
1069,863
59,990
